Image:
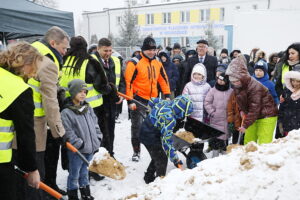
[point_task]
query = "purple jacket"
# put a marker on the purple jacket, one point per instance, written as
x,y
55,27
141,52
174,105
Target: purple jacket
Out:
x,y
216,106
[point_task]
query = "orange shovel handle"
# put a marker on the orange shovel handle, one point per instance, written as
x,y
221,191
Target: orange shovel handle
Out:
x,y
49,190
71,147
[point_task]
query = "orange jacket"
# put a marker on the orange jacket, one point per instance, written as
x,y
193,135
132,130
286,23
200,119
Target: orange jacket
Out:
x,y
142,78
233,112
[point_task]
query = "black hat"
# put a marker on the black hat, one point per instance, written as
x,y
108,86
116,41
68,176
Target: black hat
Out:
x,y
149,43
224,51
176,46
202,42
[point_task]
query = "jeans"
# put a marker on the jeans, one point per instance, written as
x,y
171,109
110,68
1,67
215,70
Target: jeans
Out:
x,y
78,171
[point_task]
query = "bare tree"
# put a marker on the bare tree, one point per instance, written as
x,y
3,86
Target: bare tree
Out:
x,y
46,3
212,40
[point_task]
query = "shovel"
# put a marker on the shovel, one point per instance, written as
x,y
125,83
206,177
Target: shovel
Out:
x,y
74,150
42,185
240,133
134,100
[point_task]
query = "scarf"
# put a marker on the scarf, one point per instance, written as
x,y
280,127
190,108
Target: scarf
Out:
x,y
295,95
292,63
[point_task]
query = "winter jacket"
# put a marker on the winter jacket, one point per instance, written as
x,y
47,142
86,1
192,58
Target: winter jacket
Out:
x,y
171,70
197,92
82,129
268,84
142,78
289,110
233,112
47,74
163,117
215,105
210,63
253,98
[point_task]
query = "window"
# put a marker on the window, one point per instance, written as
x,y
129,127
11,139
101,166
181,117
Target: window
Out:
x,y
167,18
222,14
184,16
119,20
205,15
150,19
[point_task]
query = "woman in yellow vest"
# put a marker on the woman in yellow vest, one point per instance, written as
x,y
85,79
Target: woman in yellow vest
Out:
x,y
290,59
17,64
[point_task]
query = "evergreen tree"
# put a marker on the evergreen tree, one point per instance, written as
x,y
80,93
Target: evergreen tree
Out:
x,y
129,30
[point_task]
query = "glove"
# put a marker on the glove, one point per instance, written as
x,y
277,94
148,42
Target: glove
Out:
x,y
231,127
179,125
177,163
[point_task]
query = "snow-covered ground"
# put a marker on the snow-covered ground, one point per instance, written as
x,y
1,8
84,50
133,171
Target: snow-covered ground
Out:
x,y
266,172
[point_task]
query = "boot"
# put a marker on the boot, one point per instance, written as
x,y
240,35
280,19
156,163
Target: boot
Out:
x,y
136,157
149,177
72,195
95,176
86,193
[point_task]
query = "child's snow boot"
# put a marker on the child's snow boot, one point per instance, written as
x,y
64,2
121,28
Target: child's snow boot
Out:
x,y
86,193
72,195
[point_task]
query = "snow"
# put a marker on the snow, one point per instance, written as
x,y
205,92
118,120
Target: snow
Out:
x,y
102,154
264,172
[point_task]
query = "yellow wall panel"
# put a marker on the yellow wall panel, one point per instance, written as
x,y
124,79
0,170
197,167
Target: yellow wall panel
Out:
x,y
157,18
142,19
175,17
215,14
194,16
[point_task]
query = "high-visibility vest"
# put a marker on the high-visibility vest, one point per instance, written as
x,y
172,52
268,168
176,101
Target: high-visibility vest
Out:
x,y
117,68
8,93
35,84
94,98
285,69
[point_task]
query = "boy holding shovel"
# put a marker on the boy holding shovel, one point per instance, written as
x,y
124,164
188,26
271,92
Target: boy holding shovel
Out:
x,y
83,132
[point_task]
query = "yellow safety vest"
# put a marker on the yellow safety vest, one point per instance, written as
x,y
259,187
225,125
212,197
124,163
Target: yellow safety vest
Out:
x,y
285,69
94,98
8,93
117,68
37,96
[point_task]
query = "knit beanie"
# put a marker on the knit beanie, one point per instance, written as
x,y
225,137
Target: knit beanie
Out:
x,y
75,86
149,43
261,65
176,46
221,68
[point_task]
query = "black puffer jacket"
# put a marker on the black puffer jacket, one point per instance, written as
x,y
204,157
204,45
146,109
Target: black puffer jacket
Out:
x,y
289,112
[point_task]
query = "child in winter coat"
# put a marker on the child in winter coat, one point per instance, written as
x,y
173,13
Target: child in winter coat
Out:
x,y
197,89
157,130
261,75
233,118
255,102
83,132
216,106
289,110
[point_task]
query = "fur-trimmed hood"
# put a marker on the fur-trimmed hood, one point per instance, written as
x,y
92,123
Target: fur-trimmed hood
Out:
x,y
295,74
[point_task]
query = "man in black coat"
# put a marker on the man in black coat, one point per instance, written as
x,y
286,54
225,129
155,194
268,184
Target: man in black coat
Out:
x,y
210,63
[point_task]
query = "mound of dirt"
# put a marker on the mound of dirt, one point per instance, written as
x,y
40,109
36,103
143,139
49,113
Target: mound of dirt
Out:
x,y
106,165
186,135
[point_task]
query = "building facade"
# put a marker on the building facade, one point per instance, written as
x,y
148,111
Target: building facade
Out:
x,y
183,22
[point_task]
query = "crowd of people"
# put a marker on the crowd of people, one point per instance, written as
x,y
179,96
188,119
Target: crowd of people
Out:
x,y
56,90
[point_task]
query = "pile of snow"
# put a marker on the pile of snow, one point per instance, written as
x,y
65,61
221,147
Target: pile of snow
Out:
x,y
102,154
269,171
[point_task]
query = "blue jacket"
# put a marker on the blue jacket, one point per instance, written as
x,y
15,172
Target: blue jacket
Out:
x,y
171,70
268,84
157,128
